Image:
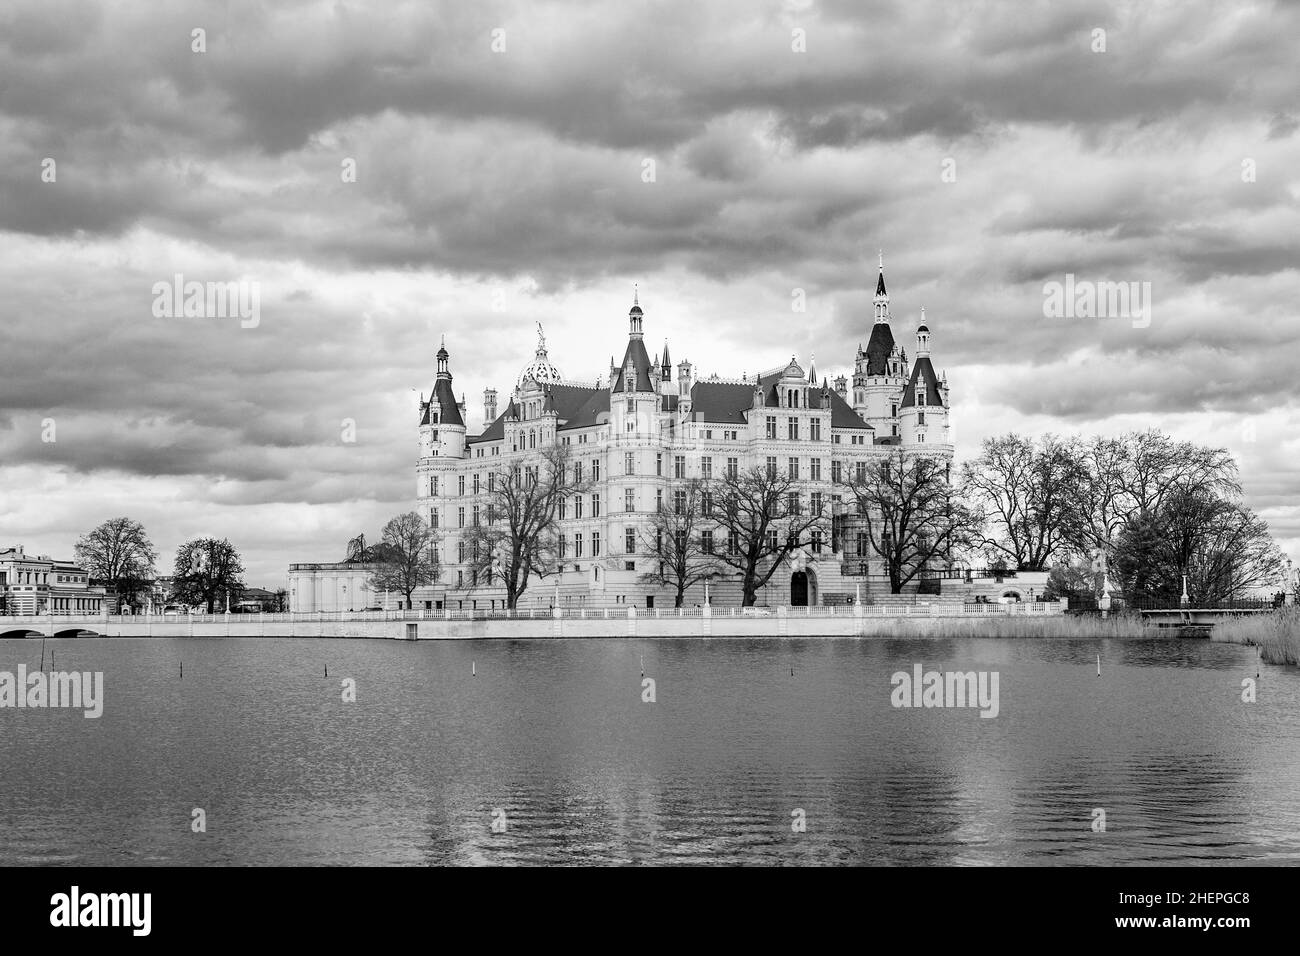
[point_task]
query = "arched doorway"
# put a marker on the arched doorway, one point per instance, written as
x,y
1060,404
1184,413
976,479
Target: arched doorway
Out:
x,y
799,589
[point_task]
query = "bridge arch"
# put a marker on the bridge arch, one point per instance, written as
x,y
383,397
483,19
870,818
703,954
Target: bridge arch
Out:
x,y
76,632
20,632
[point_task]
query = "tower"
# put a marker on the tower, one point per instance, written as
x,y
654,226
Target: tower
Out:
x,y
489,406
633,386
923,412
442,423
879,374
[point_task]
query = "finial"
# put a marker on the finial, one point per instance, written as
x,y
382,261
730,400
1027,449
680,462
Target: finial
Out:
x,y
882,260
541,339
636,295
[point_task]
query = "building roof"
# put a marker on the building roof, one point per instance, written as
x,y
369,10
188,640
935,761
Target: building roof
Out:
x,y
443,394
933,395
880,283
727,402
640,362
576,406
879,348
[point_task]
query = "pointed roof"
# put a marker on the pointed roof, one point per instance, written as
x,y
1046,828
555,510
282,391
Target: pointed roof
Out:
x,y
667,363
640,360
812,369
922,368
880,282
879,348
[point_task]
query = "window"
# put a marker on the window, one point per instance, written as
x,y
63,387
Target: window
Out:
x,y
629,565
491,515
629,464
595,544
733,543
577,472
817,541
706,541
708,434
433,517
920,417
433,485
564,547
706,504
595,468
460,484
460,552
476,484
792,469
816,499
631,406
659,464
706,468
792,505
815,469
659,500
679,466
894,430
460,517
771,466
835,439
564,508
474,519
577,506
679,502
733,468
770,541
492,482
629,540
629,499
862,543
920,436
532,439
771,426
816,426
595,505
893,410
577,545
792,429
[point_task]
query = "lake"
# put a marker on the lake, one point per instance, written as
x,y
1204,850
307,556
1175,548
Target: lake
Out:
x,y
552,741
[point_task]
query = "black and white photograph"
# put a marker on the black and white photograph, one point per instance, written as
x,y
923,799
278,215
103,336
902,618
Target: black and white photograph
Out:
x,y
860,435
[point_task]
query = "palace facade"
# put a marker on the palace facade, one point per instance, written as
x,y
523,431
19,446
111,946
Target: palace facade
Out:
x,y
650,425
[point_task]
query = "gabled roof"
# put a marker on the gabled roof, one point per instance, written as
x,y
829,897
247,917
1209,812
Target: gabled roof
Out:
x,y
640,361
933,395
727,402
576,406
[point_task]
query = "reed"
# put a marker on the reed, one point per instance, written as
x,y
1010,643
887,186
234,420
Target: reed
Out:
x,y
1062,626
1277,634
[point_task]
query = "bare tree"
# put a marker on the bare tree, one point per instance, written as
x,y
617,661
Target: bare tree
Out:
x,y
208,572
407,556
1218,544
762,518
120,555
912,514
679,540
1029,493
518,537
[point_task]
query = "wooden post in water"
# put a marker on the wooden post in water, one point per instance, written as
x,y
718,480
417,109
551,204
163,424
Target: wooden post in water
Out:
x,y
1098,665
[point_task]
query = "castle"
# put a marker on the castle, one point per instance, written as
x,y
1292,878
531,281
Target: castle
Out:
x,y
651,424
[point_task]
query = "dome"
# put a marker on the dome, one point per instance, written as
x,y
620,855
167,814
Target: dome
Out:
x,y
540,369
923,328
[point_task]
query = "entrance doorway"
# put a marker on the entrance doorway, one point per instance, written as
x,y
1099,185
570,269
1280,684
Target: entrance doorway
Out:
x,y
799,589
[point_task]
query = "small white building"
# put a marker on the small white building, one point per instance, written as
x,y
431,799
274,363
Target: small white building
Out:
x,y
340,586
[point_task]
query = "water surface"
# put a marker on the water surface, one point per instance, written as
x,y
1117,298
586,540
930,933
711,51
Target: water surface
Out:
x,y
554,735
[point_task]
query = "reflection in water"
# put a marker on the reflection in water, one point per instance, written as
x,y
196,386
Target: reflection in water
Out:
x,y
553,735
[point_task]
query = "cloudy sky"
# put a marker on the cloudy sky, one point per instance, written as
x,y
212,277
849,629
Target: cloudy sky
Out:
x,y
501,153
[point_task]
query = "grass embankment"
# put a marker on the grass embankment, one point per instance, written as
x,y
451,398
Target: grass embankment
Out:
x,y
1116,626
1276,634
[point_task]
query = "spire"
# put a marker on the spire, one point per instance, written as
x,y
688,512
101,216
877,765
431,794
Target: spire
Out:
x,y
882,297
634,315
667,361
812,368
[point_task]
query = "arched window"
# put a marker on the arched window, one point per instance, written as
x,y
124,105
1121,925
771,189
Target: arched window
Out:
x,y
532,439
